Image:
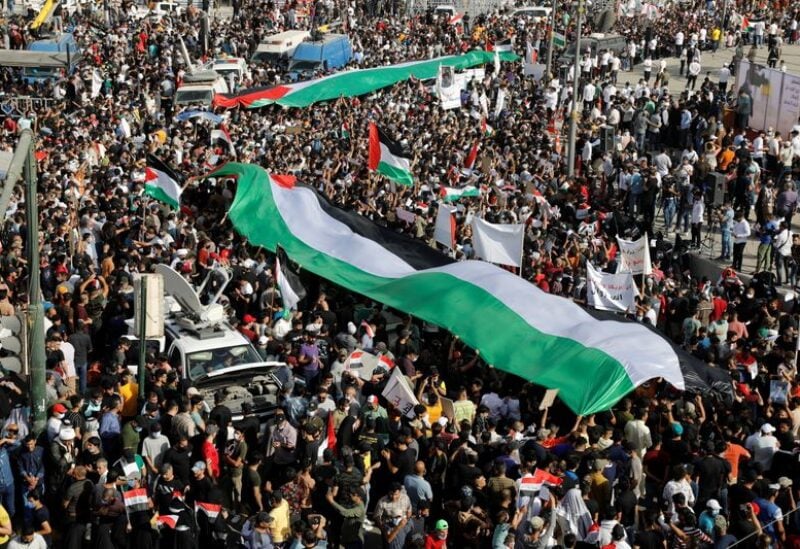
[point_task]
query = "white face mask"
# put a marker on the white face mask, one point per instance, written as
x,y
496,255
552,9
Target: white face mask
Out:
x,y
59,416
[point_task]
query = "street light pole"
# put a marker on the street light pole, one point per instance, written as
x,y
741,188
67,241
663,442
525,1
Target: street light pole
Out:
x,y
573,119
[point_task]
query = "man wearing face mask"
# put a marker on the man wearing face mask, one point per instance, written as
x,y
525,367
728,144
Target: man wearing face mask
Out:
x,y
282,444
233,457
438,538
153,449
54,421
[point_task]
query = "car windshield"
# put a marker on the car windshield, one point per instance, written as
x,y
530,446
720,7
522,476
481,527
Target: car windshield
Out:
x,y
193,96
151,349
305,65
206,362
40,72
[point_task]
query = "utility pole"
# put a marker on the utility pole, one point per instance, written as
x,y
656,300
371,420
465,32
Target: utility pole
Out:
x,y
550,41
36,353
142,336
573,119
22,171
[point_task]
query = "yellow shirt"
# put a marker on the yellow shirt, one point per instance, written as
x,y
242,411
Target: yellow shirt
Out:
x,y
281,529
4,520
129,393
463,409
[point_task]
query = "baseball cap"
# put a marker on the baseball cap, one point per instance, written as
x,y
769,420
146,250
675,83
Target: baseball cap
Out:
x,y
248,319
441,524
713,505
767,428
785,482
60,408
720,522
372,399
537,523
198,466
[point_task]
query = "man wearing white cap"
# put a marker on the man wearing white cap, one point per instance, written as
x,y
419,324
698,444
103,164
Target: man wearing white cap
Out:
x,y
763,446
770,515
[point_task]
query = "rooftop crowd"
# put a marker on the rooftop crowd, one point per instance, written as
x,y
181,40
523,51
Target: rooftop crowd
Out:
x,y
661,469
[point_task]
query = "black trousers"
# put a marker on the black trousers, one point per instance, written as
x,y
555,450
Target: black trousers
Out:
x,y
738,252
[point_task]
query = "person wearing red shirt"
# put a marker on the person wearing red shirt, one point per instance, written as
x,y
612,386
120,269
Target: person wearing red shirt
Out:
x,y
210,453
719,306
438,538
246,328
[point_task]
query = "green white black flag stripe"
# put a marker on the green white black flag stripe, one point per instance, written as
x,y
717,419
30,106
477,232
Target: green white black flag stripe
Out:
x,y
517,327
387,157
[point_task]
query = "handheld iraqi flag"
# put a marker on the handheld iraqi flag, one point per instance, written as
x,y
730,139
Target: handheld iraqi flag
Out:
x,y
162,182
386,156
211,510
292,290
593,358
170,521
539,478
331,433
221,134
135,500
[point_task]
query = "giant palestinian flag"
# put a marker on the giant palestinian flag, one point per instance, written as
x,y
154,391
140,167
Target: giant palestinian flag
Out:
x,y
518,328
386,156
352,83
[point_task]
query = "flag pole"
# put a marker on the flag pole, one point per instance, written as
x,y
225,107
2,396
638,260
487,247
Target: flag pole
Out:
x,y
274,280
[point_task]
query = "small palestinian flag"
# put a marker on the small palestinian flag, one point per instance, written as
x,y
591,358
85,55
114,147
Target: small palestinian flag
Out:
x,y
292,290
486,129
135,500
472,156
211,510
161,182
345,131
222,134
387,157
506,44
449,194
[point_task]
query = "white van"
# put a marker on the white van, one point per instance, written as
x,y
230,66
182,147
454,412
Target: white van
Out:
x,y
535,13
279,47
227,66
199,88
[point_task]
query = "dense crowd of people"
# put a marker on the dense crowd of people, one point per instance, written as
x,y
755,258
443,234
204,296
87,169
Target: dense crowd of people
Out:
x,y
498,468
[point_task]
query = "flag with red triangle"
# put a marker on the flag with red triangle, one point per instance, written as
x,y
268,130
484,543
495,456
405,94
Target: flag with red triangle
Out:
x,y
472,156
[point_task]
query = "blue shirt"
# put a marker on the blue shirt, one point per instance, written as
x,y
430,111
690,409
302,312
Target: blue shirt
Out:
x,y
767,231
417,489
6,475
109,424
